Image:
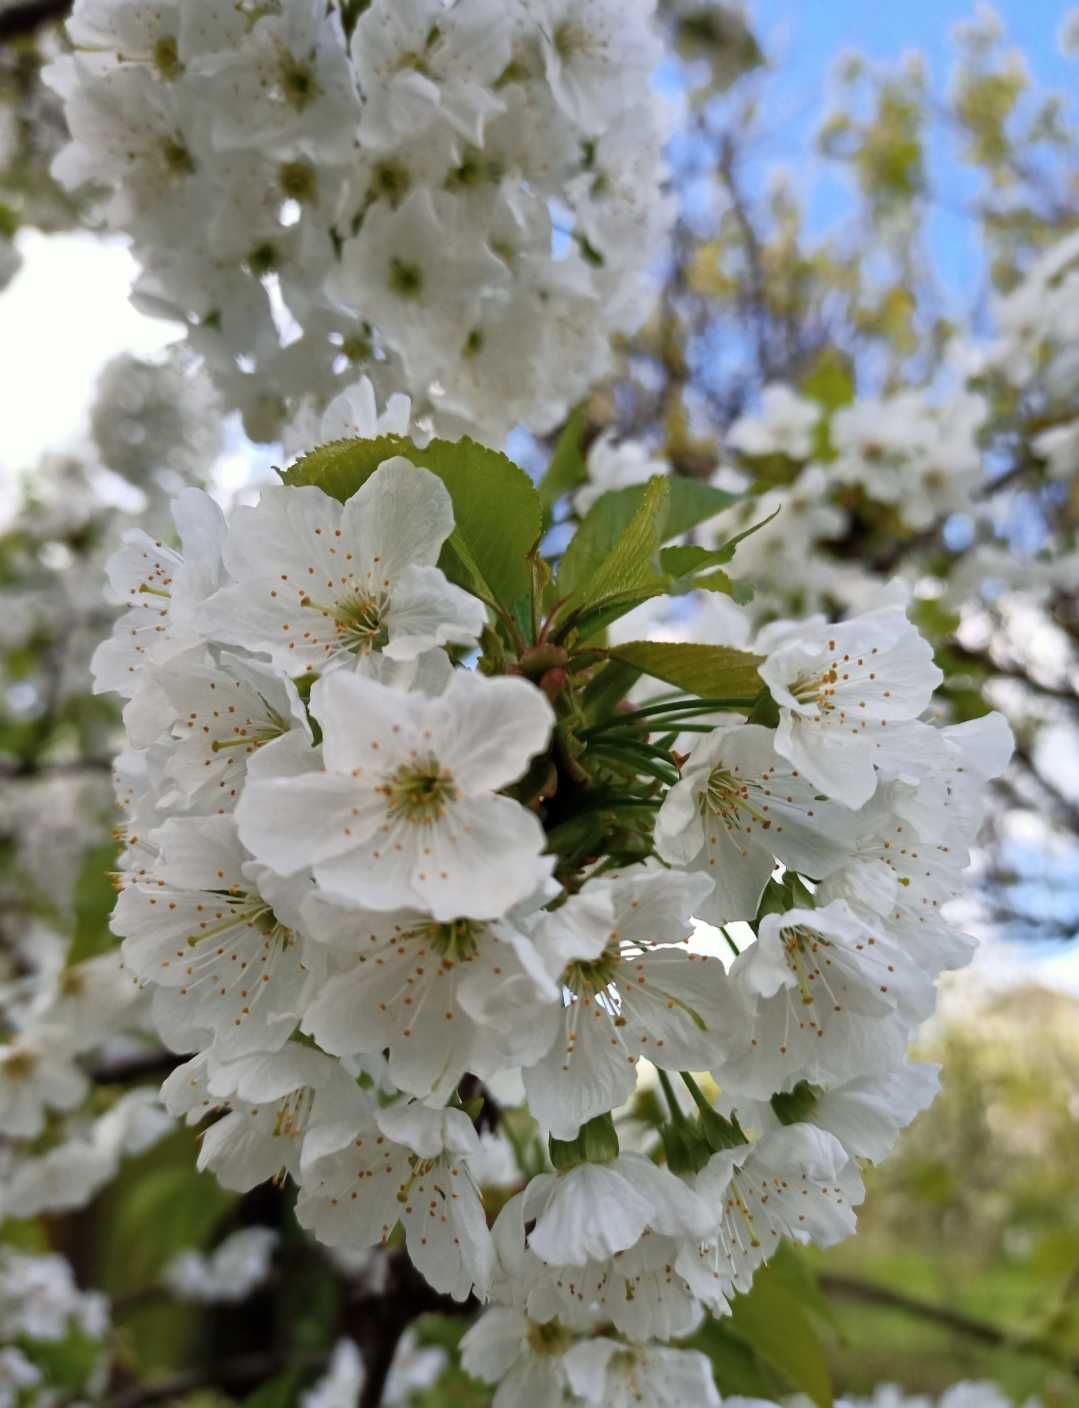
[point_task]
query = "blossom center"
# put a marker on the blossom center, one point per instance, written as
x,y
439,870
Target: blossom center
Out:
x,y
594,976
297,82
20,1065
419,793
291,1116
299,180
456,942
359,620
818,690
177,157
254,735
727,797
241,911
571,38
167,58
801,947
549,1339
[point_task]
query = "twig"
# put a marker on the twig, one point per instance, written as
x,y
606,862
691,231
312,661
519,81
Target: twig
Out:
x,y
866,1292
32,768
140,1067
756,308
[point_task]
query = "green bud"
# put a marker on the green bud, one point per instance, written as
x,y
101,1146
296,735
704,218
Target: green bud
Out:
x,y
719,1133
797,1105
686,1148
599,1140
565,1153
801,897
473,1108
765,711
775,900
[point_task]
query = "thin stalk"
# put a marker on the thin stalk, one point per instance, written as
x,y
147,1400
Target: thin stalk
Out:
x,y
635,745
730,942
683,707
637,763
699,1097
675,723
678,1115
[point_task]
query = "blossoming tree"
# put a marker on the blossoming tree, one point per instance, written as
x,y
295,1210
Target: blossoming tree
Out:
x,y
531,915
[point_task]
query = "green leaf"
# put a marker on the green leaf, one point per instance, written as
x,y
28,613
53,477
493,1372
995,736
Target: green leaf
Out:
x,y
790,1264
829,382
735,1367
499,515
691,503
282,1391
710,671
568,468
595,538
771,1318
166,1211
628,573
682,562
25,1235
66,1364
94,900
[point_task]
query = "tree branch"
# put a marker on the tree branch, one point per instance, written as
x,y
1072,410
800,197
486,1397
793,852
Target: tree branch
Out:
x,y
31,768
377,1320
21,20
140,1067
756,307
865,1292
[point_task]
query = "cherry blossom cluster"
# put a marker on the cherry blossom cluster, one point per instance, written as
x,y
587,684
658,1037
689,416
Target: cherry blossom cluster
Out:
x,y
67,1009
40,1308
375,887
396,194
1035,352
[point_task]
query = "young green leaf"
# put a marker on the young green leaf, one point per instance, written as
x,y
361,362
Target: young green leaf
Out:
x,y
772,1319
568,468
604,587
682,562
711,671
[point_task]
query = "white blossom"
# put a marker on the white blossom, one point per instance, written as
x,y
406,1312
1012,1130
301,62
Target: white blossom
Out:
x,y
230,1273
406,812
841,691
608,1374
315,583
738,810
629,993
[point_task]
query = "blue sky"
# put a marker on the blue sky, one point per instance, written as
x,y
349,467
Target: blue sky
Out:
x,y
818,28
805,37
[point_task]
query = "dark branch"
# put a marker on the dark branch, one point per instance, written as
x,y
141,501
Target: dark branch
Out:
x,y
21,20
32,768
140,1067
865,1292
377,1320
